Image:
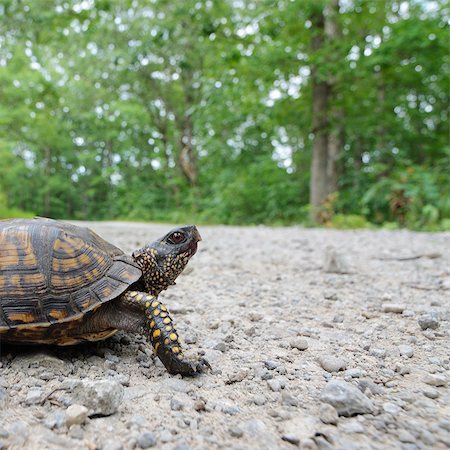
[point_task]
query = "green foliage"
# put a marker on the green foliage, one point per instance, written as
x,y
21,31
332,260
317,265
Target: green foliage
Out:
x,y
349,221
200,110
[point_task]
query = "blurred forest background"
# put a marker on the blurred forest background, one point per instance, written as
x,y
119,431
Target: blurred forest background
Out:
x,y
226,111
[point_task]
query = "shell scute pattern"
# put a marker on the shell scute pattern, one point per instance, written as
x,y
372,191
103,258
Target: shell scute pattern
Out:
x,y
53,272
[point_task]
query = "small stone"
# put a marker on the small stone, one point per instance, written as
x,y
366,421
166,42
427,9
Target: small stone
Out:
x,y
176,404
431,393
112,445
100,397
428,321
328,414
221,347
291,438
299,344
392,308
429,335
275,385
435,380
271,365
346,398
76,432
146,439
55,420
190,338
378,352
353,427
76,415
405,436
182,446
259,399
200,405
308,444
332,363
237,377
406,350
255,316
165,436
402,370
288,399
353,373
391,408
34,396
335,262
3,433
235,432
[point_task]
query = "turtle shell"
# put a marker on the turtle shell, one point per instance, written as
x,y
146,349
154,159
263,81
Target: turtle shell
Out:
x,y
53,272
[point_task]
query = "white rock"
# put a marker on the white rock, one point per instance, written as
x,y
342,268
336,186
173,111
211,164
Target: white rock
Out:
x,y
346,398
76,415
392,308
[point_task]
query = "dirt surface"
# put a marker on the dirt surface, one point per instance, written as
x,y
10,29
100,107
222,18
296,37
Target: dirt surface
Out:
x,y
277,329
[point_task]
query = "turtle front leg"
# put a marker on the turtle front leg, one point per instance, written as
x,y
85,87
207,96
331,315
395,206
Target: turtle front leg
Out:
x,y
162,335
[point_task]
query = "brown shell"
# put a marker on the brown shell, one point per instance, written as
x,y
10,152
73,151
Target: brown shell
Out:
x,y
54,272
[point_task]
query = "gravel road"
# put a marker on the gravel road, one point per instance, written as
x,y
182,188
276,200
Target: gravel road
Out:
x,y
318,339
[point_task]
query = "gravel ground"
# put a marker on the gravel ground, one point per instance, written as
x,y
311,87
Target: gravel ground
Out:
x,y
317,339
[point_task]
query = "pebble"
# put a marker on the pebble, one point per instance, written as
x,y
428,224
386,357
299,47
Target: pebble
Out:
x,y
328,414
235,431
112,445
76,432
435,380
291,438
76,415
406,350
346,398
353,427
332,363
430,393
428,321
221,347
176,404
190,338
146,439
259,399
353,373
165,435
34,396
405,436
3,432
271,365
55,420
396,308
237,377
100,397
275,385
378,352
299,344
391,408
335,262
288,399
200,405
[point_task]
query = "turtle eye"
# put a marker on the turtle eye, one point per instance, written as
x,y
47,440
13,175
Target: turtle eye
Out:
x,y
176,238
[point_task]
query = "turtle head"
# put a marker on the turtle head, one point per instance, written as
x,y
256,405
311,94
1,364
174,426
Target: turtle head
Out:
x,y
163,260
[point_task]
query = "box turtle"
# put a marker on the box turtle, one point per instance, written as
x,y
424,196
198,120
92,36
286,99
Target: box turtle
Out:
x,y
63,284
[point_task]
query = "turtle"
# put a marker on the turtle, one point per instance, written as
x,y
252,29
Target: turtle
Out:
x,y
63,284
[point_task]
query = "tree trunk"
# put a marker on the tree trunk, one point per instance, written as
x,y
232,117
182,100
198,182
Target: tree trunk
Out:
x,y
326,117
320,92
336,136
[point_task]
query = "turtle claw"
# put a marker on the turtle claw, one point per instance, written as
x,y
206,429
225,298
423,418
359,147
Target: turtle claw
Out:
x,y
185,367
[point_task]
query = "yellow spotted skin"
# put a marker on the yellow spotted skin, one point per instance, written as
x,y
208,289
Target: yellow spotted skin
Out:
x,y
162,334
